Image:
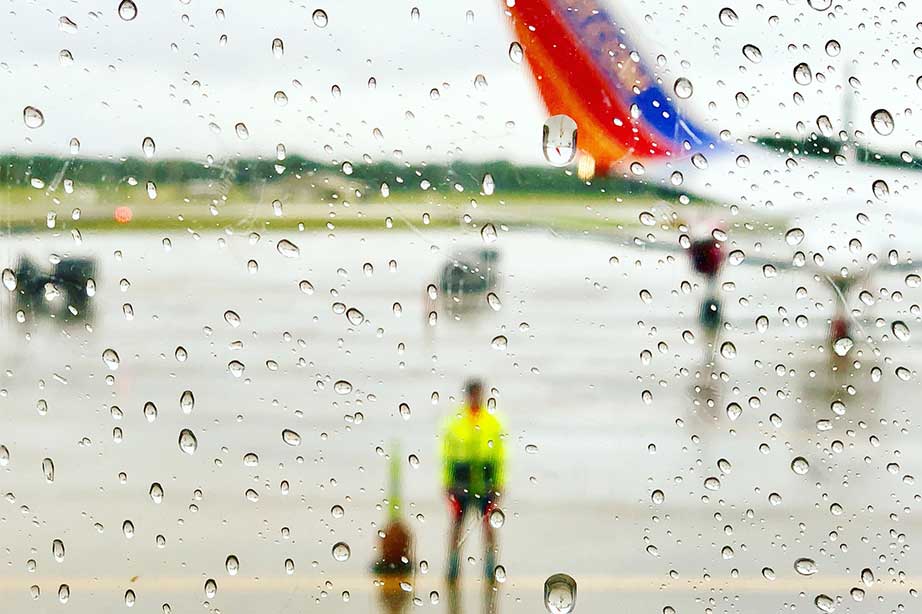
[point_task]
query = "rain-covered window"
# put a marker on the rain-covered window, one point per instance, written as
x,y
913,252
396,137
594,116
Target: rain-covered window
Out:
x,y
483,306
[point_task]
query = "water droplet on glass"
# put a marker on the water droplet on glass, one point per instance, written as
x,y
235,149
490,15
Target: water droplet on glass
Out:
x,y
127,10
516,53
900,330
752,53
882,122
842,345
110,357
187,441
278,48
65,57
342,387
287,249
341,551
488,233
819,5
487,185
243,133
150,411
833,48
800,466
320,19
57,550
499,342
291,437
559,140
148,147
903,373
211,588
232,565
128,529
236,368
728,17
32,117
66,24
63,593
728,350
805,567
824,603
355,316
657,497
187,402
867,577
794,236
497,518
156,492
712,483
9,279
802,74
560,594
683,88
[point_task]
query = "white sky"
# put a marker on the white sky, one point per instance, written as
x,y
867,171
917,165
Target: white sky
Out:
x,y
126,82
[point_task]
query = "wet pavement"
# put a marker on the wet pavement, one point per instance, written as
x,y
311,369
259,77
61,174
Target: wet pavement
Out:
x,y
604,380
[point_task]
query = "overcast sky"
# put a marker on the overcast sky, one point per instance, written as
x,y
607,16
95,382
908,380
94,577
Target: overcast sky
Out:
x,y
166,75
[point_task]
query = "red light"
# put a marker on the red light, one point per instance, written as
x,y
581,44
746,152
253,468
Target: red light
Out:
x,y
123,215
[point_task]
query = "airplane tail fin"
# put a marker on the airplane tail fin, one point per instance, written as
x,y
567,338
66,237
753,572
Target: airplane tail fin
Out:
x,y
585,67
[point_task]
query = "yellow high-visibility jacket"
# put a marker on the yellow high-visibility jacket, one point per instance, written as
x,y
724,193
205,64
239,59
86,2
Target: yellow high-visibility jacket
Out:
x,y
473,452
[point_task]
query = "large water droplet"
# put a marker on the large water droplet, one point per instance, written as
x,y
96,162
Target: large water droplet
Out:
x,y
156,492
487,185
683,88
355,316
560,594
800,466
148,147
728,17
187,402
824,603
63,593
752,53
559,140
232,565
243,133
211,588
291,437
728,350
187,441
515,52
127,10
342,387
32,117
287,249
320,18
278,48
57,550
341,551
802,74
110,357
9,279
794,236
882,122
150,411
805,566
900,330
488,233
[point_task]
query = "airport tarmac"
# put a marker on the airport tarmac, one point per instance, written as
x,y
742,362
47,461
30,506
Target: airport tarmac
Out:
x,y
601,375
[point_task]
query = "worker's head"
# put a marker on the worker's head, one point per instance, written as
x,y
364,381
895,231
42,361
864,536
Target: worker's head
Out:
x,y
473,390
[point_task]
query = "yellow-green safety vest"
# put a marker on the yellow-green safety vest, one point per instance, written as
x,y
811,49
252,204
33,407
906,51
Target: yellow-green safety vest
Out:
x,y
473,452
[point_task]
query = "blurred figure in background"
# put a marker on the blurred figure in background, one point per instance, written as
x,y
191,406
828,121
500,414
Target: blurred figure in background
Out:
x,y
473,458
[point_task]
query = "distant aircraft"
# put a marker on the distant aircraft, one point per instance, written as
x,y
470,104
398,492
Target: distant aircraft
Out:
x,y
843,219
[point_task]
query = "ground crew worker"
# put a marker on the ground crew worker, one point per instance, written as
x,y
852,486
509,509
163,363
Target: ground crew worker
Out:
x,y
473,460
